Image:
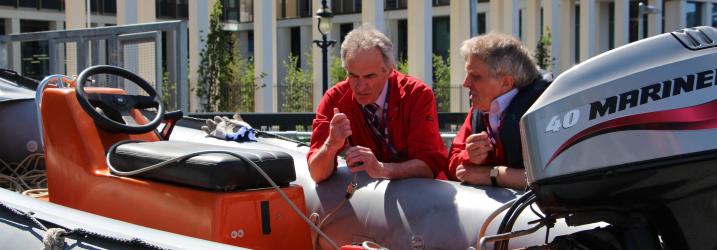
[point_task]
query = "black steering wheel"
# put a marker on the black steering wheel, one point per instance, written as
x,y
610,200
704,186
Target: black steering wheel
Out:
x,y
116,107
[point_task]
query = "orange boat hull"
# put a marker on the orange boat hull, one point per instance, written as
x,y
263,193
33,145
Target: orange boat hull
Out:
x,y
78,177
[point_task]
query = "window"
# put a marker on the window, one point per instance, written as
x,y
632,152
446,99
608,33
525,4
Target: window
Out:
x,y
520,24
246,11
481,29
305,9
395,4
110,7
293,9
694,14
166,8
12,3
35,60
230,9
441,36
183,9
714,15
171,8
344,29
611,26
296,45
30,3
441,2
51,4
99,6
345,6
402,44
250,42
576,41
94,4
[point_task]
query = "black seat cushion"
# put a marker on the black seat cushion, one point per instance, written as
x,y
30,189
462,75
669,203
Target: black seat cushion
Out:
x,y
215,171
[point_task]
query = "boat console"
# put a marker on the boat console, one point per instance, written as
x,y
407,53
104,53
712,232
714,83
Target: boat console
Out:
x,y
214,196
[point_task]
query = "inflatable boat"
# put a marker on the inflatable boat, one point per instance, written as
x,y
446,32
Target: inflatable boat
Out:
x,y
119,179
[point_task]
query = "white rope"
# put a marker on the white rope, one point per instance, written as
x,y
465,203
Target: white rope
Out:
x,y
54,239
23,176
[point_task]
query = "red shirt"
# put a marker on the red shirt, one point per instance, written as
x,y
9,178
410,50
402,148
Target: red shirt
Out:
x,y
412,122
459,155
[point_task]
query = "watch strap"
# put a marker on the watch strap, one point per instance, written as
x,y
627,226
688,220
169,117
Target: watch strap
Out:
x,y
494,176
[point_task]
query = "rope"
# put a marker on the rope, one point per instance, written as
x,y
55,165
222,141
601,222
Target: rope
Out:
x,y
54,238
350,189
23,176
241,157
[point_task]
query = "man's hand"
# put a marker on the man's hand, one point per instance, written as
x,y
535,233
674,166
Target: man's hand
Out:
x,y
478,146
360,158
339,130
474,175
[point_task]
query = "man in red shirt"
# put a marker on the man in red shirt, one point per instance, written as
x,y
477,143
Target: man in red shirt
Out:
x,y
386,121
503,81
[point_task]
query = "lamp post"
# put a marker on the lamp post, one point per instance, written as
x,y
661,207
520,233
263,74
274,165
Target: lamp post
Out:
x,y
324,26
643,9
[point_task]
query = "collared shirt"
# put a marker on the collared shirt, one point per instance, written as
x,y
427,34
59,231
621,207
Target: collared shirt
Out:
x,y
409,99
380,101
497,107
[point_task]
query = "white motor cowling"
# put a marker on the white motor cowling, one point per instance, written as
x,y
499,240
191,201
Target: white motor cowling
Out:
x,y
633,130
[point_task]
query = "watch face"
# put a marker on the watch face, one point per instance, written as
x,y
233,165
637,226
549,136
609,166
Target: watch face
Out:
x,y
494,172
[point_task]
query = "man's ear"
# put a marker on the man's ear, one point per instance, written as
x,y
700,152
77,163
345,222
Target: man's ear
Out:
x,y
507,82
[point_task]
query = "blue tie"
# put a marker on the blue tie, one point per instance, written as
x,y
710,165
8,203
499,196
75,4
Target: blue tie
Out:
x,y
369,111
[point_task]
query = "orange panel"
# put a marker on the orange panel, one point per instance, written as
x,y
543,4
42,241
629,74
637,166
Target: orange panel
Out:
x,y
78,177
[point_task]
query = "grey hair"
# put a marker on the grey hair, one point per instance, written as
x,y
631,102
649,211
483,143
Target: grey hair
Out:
x,y
366,37
504,55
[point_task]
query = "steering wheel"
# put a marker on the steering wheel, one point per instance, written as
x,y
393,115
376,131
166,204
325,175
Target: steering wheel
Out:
x,y
117,107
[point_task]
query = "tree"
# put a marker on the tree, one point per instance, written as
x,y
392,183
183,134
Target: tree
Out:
x,y
402,65
338,73
542,51
244,69
215,76
298,88
168,88
441,83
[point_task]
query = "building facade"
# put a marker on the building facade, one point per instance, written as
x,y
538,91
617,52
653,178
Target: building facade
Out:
x,y
271,30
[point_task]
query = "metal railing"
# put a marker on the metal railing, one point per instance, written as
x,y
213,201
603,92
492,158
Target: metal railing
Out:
x,y
448,122
71,51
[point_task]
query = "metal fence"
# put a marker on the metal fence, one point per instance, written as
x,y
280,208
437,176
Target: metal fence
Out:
x,y
295,98
448,122
136,47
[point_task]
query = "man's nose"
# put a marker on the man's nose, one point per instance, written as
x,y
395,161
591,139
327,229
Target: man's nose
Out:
x,y
467,83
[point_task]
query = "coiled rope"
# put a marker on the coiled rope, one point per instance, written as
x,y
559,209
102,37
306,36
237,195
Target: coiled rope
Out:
x,y
25,177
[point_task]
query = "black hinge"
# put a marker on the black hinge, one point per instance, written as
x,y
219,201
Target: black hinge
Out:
x,y
265,218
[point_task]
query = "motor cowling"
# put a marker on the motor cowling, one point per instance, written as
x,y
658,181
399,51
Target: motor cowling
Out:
x,y
632,130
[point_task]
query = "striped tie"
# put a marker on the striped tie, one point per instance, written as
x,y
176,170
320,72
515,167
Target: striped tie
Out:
x,y
369,111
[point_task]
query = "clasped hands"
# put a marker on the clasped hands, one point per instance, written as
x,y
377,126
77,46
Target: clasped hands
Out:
x,y
358,158
477,147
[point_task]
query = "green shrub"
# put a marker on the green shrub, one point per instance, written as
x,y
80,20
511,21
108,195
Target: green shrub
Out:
x,y
338,73
298,87
442,83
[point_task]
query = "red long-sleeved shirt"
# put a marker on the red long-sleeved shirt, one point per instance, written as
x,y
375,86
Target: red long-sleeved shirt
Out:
x,y
412,122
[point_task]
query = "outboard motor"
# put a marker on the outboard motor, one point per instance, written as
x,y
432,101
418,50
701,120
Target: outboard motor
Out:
x,y
629,137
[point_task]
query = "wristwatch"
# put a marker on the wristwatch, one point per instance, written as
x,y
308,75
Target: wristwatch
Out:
x,y
494,176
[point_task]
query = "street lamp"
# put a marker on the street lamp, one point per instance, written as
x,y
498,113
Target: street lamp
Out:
x,y
643,9
324,15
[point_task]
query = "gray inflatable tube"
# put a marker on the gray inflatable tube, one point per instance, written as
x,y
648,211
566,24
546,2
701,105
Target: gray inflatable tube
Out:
x,y
397,214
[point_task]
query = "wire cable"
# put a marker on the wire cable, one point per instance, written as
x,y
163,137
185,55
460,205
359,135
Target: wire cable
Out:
x,y
241,157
